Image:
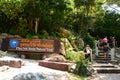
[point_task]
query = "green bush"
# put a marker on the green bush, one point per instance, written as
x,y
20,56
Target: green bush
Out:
x,y
29,36
89,40
43,36
75,56
80,69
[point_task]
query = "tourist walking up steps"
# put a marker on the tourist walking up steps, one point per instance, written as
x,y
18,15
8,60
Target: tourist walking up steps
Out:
x,y
104,41
106,50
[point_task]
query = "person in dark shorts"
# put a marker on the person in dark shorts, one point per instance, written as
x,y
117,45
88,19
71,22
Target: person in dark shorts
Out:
x,y
106,50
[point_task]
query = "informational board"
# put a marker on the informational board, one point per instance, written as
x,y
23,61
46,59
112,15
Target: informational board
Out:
x,y
31,45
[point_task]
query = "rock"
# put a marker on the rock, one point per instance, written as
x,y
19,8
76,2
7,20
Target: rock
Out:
x,y
4,68
67,44
3,53
63,49
40,76
17,36
32,76
10,36
56,58
16,64
11,62
4,34
65,32
80,43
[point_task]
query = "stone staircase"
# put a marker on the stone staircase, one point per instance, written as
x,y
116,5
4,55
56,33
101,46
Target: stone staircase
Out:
x,y
105,66
101,59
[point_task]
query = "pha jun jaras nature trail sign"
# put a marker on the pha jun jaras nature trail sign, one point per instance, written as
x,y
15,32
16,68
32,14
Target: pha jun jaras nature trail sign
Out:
x,y
31,45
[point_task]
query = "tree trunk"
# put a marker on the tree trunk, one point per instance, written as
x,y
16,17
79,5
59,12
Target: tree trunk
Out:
x,y
36,25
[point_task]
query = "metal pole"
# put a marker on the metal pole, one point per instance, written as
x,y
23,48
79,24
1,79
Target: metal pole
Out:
x,y
112,54
91,56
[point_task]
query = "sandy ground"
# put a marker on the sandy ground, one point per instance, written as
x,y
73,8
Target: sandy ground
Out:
x,y
31,66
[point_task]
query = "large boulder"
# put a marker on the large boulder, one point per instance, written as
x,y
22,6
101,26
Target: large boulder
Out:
x,y
80,43
66,45
65,32
41,76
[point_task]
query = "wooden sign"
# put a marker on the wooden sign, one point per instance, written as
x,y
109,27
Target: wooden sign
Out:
x,y
31,45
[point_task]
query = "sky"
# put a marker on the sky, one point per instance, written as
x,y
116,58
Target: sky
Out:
x,y
113,7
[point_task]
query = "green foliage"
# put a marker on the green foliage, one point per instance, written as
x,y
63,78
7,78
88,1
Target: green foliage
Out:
x,y
52,13
108,26
29,36
43,36
22,27
88,39
71,38
45,14
79,58
76,56
81,69
11,8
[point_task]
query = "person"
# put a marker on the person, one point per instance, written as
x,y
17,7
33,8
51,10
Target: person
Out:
x,y
87,51
106,49
104,41
111,42
112,46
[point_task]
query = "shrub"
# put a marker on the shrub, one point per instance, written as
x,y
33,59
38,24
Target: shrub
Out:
x,y
89,40
80,69
75,56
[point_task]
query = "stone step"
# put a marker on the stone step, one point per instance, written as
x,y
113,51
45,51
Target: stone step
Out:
x,y
102,61
102,54
105,61
103,65
102,58
107,70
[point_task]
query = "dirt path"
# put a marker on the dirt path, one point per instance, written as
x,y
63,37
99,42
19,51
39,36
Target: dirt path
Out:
x,y
105,77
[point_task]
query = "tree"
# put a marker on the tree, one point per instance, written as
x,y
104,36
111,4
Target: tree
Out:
x,y
32,16
87,11
11,8
10,11
46,14
108,26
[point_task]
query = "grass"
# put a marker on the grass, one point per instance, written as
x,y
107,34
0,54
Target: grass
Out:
x,y
77,77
